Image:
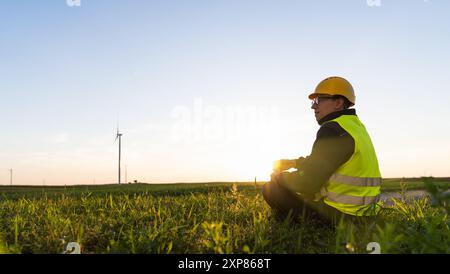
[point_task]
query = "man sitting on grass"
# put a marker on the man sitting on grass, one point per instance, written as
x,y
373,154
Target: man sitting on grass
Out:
x,y
341,177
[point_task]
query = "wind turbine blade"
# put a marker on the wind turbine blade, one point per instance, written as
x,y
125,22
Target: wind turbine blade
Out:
x,y
117,134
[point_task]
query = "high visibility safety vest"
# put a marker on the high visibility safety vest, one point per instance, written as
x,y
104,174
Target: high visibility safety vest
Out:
x,y
354,188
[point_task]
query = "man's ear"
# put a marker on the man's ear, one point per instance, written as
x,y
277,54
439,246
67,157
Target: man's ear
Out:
x,y
339,104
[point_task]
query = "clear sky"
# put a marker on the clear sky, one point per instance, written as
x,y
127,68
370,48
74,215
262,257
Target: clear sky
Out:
x,y
214,90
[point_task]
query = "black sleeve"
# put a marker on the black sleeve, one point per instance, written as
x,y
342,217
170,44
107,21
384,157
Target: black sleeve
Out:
x,y
332,148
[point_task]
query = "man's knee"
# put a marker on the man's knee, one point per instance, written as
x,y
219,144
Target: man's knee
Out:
x,y
267,191
278,196
273,193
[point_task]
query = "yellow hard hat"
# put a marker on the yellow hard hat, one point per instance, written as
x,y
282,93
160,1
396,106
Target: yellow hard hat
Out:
x,y
335,86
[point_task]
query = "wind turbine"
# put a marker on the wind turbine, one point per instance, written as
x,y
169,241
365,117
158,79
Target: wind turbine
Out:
x,y
119,135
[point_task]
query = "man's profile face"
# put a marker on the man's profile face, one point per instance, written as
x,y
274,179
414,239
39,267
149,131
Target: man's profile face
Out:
x,y
324,105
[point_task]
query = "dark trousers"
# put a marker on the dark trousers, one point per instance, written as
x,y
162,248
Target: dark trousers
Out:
x,y
282,201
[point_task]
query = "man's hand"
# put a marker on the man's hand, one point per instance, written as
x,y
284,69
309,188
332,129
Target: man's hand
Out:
x,y
283,164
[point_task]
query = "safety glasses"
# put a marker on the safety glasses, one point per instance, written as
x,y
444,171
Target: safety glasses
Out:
x,y
319,99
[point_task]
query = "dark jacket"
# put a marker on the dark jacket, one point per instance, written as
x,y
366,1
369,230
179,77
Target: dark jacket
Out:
x,y
332,148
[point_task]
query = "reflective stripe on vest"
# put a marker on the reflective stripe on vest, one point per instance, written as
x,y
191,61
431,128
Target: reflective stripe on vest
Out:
x,y
348,199
355,181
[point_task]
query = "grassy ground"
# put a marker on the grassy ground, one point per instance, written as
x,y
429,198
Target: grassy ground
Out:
x,y
201,218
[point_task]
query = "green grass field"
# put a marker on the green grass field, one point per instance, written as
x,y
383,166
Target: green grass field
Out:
x,y
203,218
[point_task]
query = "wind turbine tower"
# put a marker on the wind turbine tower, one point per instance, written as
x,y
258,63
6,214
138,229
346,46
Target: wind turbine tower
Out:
x,y
119,136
